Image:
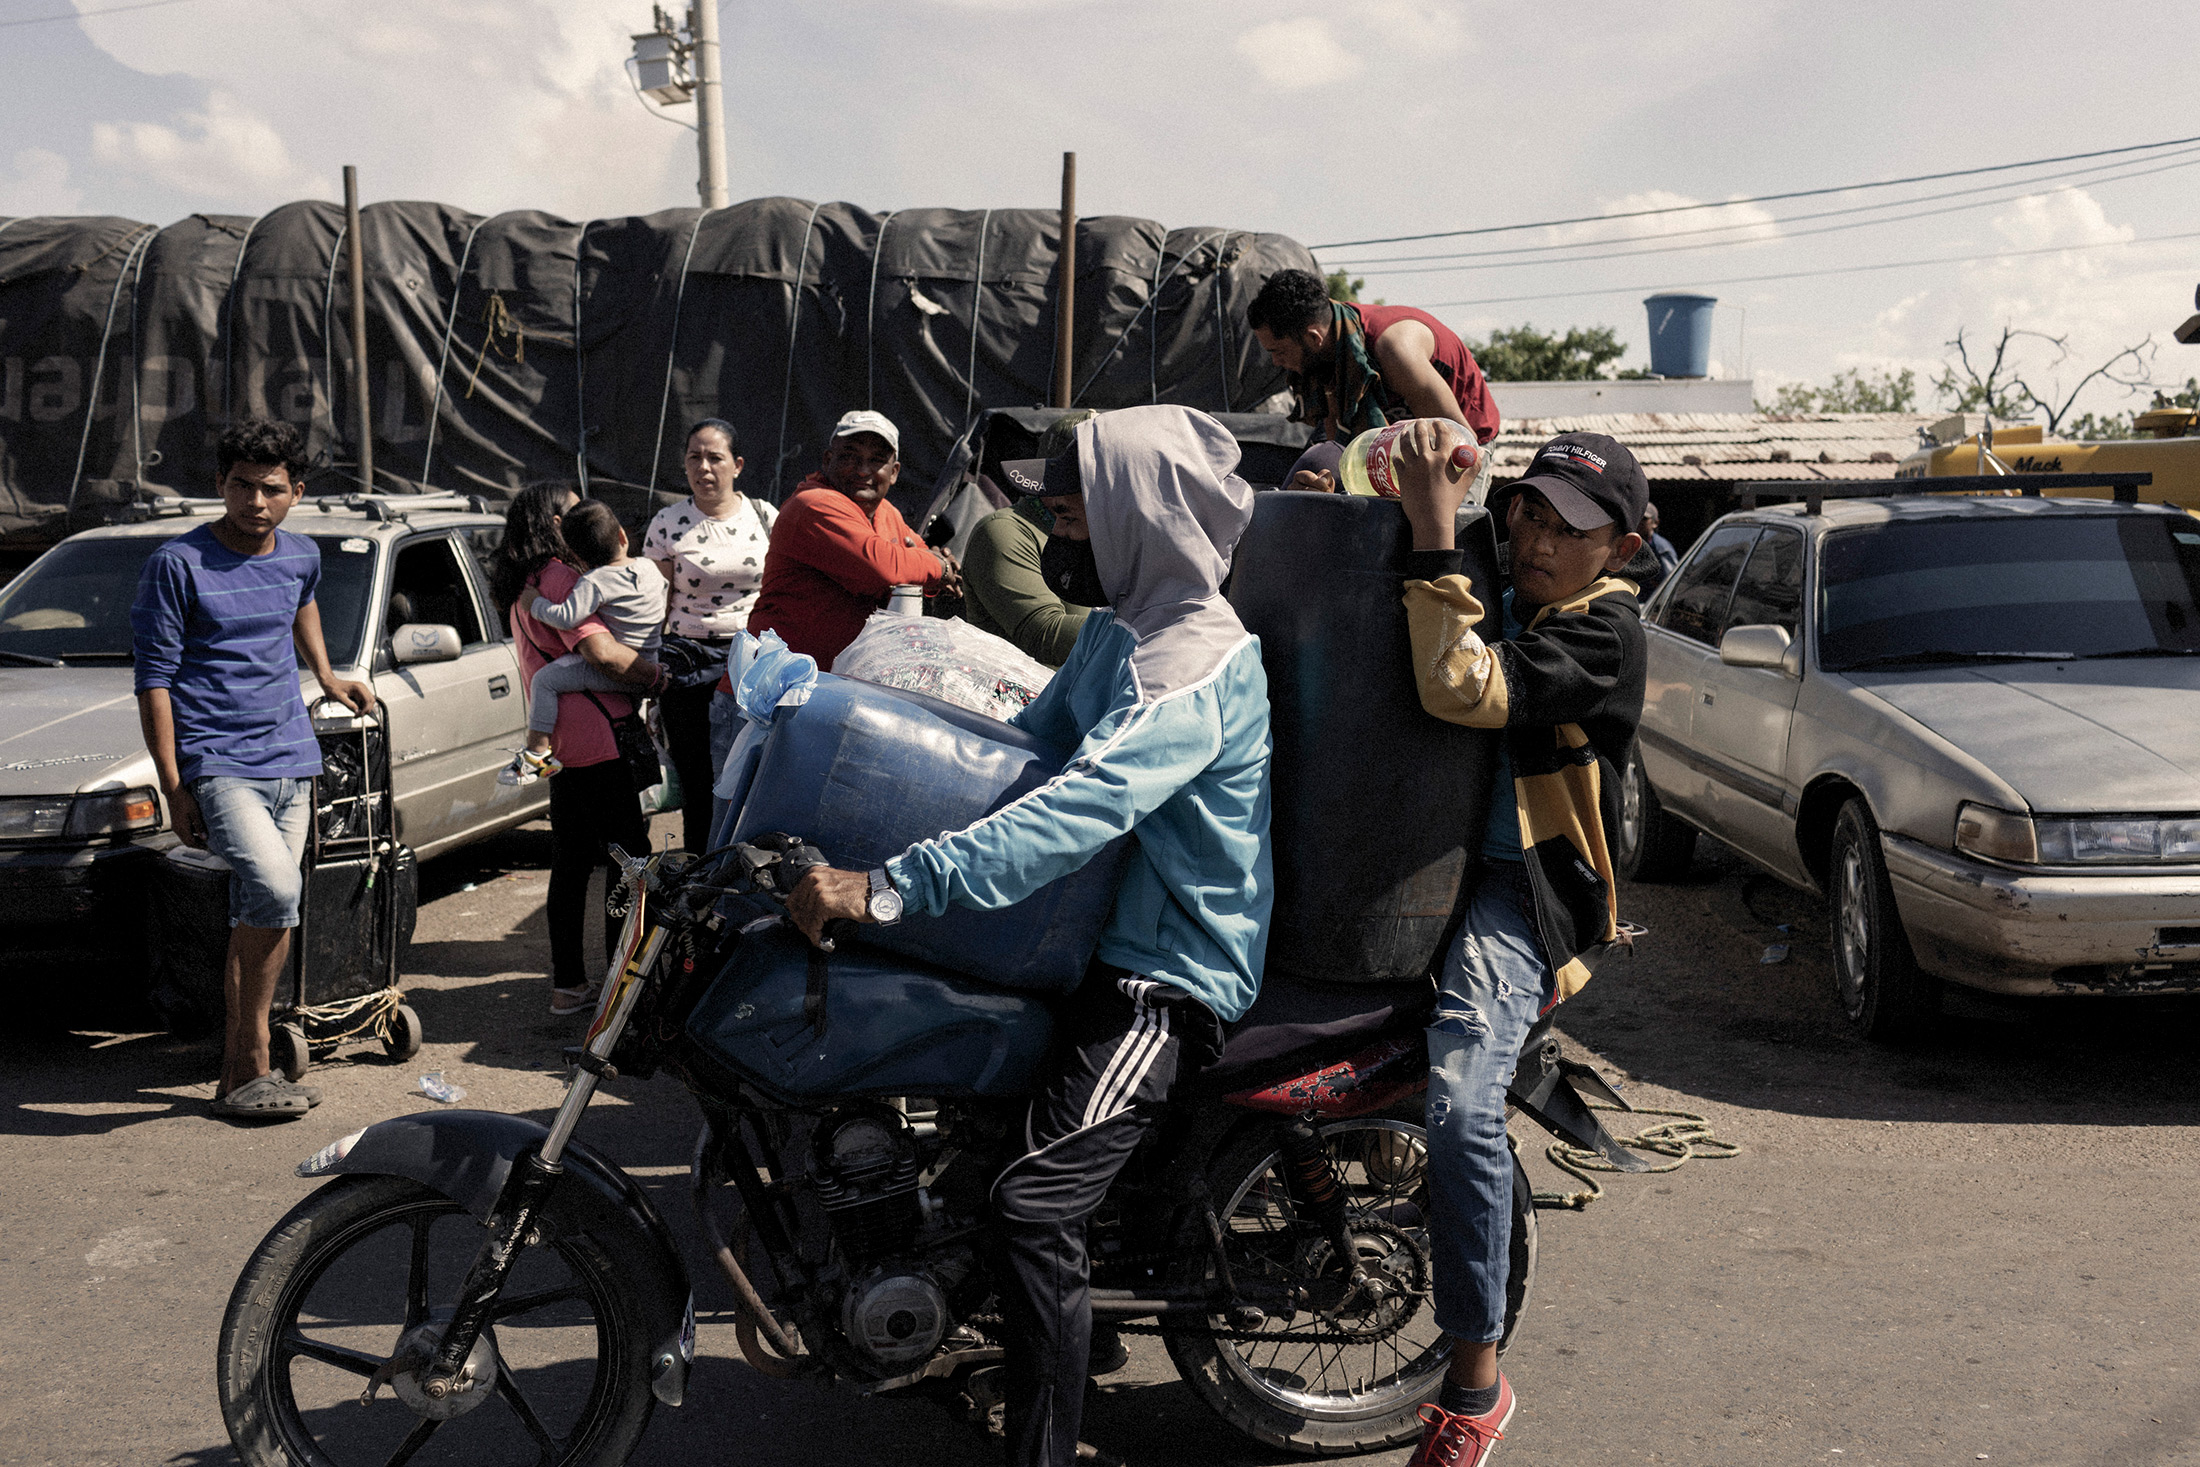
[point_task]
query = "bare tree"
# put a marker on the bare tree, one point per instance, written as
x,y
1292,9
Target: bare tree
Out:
x,y
2002,390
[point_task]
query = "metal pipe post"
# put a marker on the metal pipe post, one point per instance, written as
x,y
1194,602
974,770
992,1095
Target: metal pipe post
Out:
x,y
710,106
1065,287
356,265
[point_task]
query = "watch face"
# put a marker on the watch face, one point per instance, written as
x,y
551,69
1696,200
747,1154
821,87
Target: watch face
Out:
x,y
886,906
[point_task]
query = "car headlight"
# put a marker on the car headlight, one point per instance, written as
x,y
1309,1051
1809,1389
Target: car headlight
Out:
x,y
110,812
113,813
2076,840
1997,835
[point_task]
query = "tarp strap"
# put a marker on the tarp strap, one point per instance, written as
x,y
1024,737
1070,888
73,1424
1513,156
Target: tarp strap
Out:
x,y
1153,338
328,328
794,319
580,369
443,362
1124,335
99,363
672,353
870,317
977,300
229,327
1222,329
137,368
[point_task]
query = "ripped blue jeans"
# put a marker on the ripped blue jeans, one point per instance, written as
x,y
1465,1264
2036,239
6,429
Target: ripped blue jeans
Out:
x,y
1495,984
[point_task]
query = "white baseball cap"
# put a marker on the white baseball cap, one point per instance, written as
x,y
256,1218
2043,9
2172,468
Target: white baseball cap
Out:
x,y
863,420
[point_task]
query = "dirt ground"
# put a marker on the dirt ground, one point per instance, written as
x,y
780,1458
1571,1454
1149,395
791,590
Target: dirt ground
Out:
x,y
1973,1251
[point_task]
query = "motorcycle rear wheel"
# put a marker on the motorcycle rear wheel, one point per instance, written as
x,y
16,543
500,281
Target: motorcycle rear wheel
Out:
x,y
329,1292
1317,1399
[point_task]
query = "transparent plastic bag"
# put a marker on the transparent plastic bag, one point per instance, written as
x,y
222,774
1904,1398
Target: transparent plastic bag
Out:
x,y
946,657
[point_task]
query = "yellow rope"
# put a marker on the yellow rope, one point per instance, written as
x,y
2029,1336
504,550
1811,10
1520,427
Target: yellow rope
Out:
x,y
369,1010
1683,1138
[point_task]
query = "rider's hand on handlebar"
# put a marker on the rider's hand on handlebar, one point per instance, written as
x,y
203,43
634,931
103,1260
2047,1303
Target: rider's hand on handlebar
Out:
x,y
826,895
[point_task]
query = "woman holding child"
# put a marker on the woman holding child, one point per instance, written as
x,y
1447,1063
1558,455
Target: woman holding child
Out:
x,y
710,550
592,803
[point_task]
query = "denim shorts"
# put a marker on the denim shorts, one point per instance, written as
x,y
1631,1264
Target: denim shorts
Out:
x,y
259,827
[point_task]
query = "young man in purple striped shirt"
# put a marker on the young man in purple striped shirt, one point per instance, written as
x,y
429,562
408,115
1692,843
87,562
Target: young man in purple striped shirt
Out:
x,y
219,610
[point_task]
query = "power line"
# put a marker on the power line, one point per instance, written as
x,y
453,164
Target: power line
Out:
x,y
1503,300
88,14
1718,244
1803,193
1375,262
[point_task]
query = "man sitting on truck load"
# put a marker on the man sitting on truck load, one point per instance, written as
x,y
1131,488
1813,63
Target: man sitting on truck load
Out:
x,y
1558,664
1356,367
1006,586
1164,699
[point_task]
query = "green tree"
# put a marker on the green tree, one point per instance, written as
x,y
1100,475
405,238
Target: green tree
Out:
x,y
1849,392
1524,354
2093,427
1344,286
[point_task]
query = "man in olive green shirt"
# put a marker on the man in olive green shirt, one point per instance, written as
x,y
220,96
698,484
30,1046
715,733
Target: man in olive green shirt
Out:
x,y
1005,590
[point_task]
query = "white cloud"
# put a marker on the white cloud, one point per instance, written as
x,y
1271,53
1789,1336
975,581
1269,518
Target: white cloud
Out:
x,y
1298,54
37,182
228,153
1734,223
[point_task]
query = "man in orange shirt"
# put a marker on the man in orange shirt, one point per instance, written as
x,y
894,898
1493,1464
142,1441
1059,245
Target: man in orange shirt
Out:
x,y
839,545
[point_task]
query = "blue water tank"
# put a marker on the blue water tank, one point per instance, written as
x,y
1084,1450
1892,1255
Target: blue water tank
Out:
x,y
1680,333
864,772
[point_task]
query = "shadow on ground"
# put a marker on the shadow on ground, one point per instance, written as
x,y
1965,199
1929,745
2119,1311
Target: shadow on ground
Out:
x,y
1700,1011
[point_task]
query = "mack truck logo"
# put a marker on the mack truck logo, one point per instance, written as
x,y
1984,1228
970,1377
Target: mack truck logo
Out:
x,y
2026,464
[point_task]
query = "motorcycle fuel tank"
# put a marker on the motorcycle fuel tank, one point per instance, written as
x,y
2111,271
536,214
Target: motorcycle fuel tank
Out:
x,y
891,1026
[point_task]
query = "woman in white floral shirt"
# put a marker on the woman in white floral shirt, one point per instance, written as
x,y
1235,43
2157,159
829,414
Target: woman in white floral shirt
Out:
x,y
710,548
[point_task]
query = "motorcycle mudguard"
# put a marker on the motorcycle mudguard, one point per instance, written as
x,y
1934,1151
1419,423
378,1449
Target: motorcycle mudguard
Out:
x,y
467,1154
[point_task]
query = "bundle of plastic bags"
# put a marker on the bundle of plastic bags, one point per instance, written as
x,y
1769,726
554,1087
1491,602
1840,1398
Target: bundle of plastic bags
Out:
x,y
947,658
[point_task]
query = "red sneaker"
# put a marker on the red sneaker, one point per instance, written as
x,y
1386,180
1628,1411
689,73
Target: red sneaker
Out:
x,y
1462,1441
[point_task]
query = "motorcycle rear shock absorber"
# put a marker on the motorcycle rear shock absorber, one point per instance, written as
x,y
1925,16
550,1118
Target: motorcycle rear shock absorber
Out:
x,y
1314,1184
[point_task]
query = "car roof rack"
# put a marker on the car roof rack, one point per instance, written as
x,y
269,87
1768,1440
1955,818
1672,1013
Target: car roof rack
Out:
x,y
151,506
1815,492
394,508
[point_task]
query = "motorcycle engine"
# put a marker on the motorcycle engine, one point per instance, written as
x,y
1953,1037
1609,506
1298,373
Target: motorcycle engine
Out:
x,y
866,1170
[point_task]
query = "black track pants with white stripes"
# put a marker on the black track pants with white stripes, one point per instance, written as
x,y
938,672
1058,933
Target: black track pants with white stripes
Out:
x,y
1126,1040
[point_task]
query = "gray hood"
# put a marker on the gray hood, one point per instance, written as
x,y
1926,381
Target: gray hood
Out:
x,y
2068,736
65,729
1166,513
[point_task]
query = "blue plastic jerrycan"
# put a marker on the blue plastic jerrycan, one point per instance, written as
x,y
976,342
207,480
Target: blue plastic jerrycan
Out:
x,y
864,772
892,1026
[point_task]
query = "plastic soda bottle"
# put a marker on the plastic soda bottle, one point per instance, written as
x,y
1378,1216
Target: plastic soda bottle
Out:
x,y
1370,463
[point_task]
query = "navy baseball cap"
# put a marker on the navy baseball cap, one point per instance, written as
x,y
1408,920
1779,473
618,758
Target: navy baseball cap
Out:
x,y
1590,479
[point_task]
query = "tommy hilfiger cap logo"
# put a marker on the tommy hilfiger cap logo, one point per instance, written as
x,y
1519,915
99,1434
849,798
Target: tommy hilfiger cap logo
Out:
x,y
1579,452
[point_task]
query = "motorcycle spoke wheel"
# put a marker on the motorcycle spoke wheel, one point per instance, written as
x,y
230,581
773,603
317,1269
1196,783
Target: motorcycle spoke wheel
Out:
x,y
384,1258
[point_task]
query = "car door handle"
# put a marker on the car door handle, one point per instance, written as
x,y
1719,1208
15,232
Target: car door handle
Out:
x,y
1707,696
499,686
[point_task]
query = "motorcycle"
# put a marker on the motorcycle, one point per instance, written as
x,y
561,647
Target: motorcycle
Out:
x,y
1272,1231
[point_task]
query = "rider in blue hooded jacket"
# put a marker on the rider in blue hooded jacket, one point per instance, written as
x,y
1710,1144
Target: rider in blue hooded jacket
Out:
x,y
1164,699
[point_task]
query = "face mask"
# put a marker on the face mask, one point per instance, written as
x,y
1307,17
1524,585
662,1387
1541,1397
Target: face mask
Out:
x,y
1071,572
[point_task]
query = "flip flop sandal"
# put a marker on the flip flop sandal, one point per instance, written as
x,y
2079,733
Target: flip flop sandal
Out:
x,y
269,1098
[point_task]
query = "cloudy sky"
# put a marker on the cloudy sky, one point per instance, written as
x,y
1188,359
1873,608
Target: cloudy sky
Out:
x,y
1329,121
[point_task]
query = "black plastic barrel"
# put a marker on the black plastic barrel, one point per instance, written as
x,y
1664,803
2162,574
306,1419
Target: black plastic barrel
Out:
x,y
1376,805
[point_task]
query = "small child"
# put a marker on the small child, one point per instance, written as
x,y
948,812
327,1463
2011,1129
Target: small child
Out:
x,y
626,594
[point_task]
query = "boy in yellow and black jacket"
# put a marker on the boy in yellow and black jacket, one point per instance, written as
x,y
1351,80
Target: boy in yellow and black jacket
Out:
x,y
1554,657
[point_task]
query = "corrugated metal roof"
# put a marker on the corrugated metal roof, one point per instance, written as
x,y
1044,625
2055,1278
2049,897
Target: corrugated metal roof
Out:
x,y
1733,447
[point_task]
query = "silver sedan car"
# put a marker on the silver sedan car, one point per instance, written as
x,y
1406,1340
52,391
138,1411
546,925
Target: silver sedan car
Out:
x,y
403,602
1972,724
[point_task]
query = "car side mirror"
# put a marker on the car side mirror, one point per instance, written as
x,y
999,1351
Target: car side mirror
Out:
x,y
417,641
1755,646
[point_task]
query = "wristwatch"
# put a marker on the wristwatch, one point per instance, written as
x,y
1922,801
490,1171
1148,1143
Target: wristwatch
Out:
x,y
885,901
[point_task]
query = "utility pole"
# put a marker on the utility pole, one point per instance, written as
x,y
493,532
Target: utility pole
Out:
x,y
710,106
356,268
1065,288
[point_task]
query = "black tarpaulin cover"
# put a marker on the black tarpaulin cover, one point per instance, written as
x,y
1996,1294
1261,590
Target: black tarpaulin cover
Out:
x,y
518,347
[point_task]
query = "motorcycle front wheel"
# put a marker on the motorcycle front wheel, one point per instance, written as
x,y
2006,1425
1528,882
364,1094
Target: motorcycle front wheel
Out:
x,y
366,1267
1349,1383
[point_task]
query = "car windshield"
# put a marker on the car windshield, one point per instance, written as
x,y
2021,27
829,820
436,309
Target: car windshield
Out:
x,y
1967,590
74,604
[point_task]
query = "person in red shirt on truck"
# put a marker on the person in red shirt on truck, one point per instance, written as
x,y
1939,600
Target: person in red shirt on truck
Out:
x,y
839,545
1357,367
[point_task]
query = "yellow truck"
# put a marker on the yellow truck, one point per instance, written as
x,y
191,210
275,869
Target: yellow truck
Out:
x,y
2170,450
